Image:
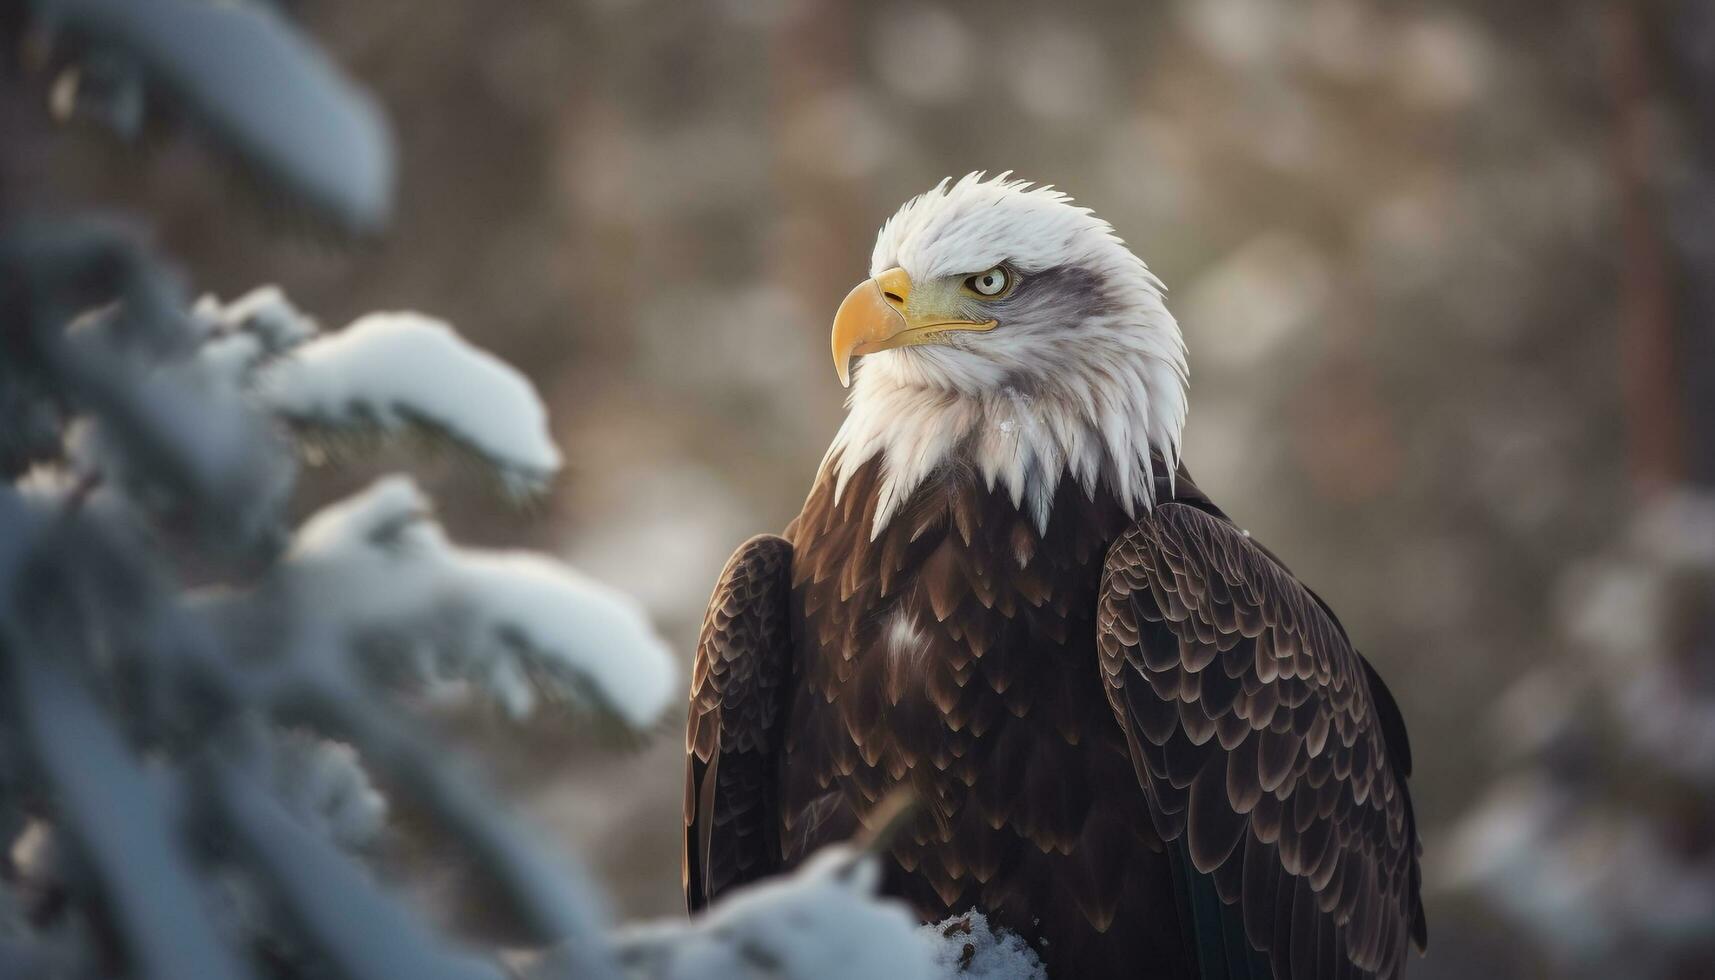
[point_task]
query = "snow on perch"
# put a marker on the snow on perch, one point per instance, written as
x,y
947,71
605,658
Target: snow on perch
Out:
x,y
396,369
967,947
822,923
377,564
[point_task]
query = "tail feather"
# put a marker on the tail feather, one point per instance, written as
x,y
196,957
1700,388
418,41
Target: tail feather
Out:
x,y
1214,930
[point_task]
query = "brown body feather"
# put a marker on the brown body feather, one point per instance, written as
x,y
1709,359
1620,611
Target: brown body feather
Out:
x,y
1077,712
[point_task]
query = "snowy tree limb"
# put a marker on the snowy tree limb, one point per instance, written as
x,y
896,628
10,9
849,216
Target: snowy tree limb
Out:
x,y
397,370
116,819
260,88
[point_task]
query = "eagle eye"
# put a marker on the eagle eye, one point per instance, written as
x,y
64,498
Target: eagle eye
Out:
x,y
991,283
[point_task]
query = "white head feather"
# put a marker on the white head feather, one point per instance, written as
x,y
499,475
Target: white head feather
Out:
x,y
1085,373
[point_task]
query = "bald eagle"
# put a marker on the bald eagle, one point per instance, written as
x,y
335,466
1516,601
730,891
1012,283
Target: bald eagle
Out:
x,y
1133,736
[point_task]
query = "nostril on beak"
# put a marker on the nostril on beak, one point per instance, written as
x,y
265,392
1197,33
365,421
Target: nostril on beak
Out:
x,y
894,298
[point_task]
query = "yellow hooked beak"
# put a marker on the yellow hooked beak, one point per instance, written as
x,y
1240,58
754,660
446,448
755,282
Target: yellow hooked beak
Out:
x,y
877,316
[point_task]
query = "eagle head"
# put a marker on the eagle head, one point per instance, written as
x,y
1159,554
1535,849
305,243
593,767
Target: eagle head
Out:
x,y
1009,322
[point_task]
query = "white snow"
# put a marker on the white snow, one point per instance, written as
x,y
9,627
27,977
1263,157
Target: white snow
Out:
x,y
394,369
823,923
229,358
324,785
968,947
244,333
264,311
386,369
377,563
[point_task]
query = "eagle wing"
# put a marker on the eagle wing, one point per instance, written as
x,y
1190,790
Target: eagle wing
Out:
x,y
1270,753
738,691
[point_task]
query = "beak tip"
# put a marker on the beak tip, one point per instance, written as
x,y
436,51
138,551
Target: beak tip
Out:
x,y
864,323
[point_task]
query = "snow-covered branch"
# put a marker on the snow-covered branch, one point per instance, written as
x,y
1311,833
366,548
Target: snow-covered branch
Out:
x,y
200,708
393,370
377,567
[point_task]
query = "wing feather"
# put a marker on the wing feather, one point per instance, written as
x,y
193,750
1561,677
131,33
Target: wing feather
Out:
x,y
1298,810
732,737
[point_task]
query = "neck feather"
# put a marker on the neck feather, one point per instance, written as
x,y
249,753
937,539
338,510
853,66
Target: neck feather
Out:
x,y
1100,430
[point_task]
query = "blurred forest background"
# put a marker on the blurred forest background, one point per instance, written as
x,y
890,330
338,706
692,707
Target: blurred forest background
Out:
x,y
1447,274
